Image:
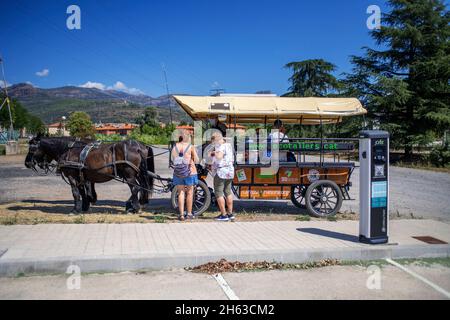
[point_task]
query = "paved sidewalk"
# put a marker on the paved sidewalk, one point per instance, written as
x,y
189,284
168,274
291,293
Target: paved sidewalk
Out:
x,y
119,247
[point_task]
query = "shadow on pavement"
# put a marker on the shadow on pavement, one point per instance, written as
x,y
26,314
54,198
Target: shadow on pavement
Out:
x,y
267,206
66,206
330,234
70,202
156,206
61,209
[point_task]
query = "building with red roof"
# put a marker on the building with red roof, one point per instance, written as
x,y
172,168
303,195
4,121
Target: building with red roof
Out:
x,y
122,129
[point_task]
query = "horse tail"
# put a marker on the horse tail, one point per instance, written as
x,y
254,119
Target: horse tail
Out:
x,y
146,180
150,167
143,180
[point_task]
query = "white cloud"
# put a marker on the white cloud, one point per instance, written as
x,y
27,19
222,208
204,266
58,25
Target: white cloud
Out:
x,y
118,86
43,73
96,85
2,84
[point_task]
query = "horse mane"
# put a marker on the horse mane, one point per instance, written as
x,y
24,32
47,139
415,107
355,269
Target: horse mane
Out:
x,y
56,146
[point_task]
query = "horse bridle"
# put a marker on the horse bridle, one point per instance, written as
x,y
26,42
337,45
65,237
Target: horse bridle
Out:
x,y
44,165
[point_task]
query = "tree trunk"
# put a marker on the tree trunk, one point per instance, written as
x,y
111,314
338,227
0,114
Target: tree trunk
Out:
x,y
408,152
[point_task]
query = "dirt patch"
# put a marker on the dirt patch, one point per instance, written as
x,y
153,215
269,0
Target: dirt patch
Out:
x,y
226,266
13,159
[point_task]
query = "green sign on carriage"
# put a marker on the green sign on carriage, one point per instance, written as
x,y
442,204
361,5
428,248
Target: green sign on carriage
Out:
x,y
307,146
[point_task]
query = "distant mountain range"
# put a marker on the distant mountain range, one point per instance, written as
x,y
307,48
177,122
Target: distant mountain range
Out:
x,y
102,105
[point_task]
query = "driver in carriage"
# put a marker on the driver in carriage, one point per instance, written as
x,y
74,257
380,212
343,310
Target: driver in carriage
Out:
x,y
219,125
278,137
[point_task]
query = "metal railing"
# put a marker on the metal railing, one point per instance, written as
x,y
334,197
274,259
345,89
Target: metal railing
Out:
x,y
5,136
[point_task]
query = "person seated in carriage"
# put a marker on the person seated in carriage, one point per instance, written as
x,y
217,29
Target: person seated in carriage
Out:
x,y
219,125
278,137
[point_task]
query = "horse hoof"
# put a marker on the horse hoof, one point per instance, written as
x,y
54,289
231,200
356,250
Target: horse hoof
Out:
x,y
132,211
86,210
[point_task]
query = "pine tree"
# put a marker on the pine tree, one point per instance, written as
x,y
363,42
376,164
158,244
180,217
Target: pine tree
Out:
x,y
311,78
405,83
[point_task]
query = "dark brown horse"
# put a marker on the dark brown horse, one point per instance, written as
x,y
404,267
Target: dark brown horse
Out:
x,y
128,160
44,151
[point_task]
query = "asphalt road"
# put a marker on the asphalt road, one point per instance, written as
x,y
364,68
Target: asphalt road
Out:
x,y
414,192
337,282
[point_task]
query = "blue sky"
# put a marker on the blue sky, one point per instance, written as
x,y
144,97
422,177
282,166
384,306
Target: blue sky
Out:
x,y
237,45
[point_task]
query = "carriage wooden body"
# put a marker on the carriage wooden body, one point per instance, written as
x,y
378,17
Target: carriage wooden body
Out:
x,y
252,183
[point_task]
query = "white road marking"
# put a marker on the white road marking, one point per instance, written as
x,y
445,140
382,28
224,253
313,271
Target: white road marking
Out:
x,y
225,287
418,276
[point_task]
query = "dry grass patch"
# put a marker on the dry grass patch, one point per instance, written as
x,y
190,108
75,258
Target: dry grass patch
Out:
x,y
39,212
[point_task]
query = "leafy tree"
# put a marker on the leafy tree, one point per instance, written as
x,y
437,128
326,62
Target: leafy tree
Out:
x,y
404,83
4,113
35,125
150,130
19,114
149,118
80,125
21,117
311,78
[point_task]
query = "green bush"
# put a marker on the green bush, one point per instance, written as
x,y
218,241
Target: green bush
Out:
x,y
440,156
150,139
2,150
144,138
112,137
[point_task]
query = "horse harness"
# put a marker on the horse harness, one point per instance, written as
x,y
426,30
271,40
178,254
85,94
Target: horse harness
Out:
x,y
81,164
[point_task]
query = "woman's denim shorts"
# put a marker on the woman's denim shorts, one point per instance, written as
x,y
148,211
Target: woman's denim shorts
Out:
x,y
189,181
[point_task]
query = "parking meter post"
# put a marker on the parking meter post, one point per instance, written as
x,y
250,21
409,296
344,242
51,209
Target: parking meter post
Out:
x,y
374,186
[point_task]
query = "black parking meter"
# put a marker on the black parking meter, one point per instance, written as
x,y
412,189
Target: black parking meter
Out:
x,y
374,186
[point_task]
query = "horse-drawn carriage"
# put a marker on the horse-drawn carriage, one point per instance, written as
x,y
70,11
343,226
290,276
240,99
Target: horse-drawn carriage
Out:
x,y
317,175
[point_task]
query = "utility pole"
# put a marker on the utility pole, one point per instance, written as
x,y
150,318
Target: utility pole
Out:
x,y
167,91
7,101
217,91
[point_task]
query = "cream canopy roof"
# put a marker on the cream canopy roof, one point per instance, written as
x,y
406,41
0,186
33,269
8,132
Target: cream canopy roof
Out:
x,y
260,109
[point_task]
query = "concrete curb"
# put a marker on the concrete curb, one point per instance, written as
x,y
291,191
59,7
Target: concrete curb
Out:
x,y
118,263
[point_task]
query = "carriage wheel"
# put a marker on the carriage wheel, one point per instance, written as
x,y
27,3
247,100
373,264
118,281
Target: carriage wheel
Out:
x,y
202,198
298,196
323,198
